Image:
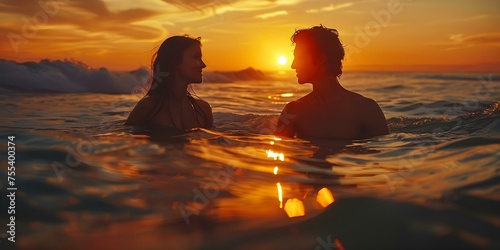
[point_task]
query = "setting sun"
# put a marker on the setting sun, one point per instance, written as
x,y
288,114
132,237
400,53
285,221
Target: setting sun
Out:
x,y
282,60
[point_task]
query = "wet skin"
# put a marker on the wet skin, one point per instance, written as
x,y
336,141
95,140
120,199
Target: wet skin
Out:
x,y
329,111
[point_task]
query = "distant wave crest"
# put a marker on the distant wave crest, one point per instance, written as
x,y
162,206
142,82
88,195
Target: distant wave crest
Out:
x,y
70,76
459,77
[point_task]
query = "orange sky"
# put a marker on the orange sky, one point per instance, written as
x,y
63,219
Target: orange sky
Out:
x,y
378,34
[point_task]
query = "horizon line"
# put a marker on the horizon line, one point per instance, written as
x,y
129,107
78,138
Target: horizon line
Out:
x,y
469,68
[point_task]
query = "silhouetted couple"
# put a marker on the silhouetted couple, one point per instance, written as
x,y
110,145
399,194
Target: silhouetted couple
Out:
x,y
328,112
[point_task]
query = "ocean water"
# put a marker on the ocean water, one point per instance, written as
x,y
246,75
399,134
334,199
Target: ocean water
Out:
x,y
84,181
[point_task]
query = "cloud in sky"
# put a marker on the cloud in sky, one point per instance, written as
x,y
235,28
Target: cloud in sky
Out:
x,y
331,7
121,33
272,14
199,5
82,27
481,39
462,19
91,16
128,18
459,41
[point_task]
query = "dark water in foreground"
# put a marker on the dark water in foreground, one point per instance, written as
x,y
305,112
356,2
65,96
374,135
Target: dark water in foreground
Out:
x,y
85,182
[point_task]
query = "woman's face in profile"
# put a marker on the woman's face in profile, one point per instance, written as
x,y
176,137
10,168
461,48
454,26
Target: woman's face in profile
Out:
x,y
192,65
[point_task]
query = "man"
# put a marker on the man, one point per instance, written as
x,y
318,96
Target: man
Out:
x,y
330,111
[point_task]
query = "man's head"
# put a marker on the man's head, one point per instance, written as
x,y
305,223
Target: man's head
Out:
x,y
318,50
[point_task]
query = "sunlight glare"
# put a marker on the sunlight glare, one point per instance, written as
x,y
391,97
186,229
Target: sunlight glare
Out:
x,y
282,60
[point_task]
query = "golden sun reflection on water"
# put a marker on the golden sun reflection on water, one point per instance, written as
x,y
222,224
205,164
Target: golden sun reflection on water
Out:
x,y
259,184
280,194
325,197
294,208
276,156
278,185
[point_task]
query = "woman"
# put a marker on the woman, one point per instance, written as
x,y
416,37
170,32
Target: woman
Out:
x,y
169,103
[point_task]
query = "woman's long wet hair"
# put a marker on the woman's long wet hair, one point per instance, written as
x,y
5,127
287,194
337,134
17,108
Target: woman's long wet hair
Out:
x,y
163,63
167,57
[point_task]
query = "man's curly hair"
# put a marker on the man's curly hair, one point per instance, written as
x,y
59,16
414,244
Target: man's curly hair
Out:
x,y
322,40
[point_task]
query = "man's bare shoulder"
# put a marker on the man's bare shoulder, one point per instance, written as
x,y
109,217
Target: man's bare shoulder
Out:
x,y
294,106
302,99
353,96
357,99
367,102
372,118
306,100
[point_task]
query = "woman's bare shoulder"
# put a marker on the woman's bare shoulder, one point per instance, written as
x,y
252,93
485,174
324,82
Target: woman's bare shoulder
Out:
x,y
207,110
147,102
203,104
141,111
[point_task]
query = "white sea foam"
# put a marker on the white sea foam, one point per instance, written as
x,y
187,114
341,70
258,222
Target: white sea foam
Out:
x,y
69,76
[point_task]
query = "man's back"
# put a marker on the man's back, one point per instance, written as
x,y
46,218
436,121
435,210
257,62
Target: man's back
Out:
x,y
347,115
